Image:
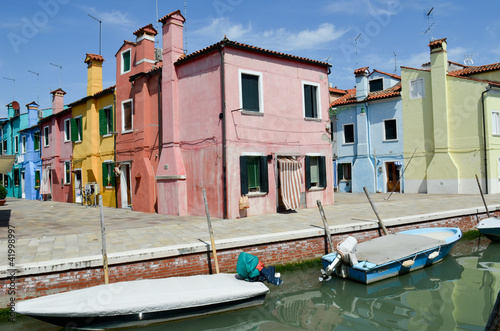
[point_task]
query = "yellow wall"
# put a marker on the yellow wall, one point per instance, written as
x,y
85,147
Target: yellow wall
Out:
x,y
94,149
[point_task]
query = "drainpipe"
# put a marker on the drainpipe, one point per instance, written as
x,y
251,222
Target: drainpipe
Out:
x,y
160,133
222,117
484,142
114,143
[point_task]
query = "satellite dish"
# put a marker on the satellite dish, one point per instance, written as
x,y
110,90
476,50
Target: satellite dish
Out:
x,y
15,105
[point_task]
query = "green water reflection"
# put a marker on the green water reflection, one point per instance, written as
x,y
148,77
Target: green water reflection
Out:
x,y
456,294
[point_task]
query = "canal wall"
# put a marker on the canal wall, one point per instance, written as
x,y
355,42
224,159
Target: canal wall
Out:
x,y
39,279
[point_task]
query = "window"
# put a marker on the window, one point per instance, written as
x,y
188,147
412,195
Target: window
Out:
x,y
127,111
417,88
344,171
348,133
108,176
45,136
76,129
253,174
5,146
315,171
67,130
16,144
126,57
36,140
376,85
6,180
67,172
23,144
311,100
16,177
495,123
106,121
251,91
37,178
390,130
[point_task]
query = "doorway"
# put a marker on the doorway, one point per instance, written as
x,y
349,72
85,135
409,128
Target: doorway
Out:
x,y
78,186
125,185
392,172
23,189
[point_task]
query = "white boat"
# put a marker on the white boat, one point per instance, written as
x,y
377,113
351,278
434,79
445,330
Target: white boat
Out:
x,y
389,255
143,302
490,227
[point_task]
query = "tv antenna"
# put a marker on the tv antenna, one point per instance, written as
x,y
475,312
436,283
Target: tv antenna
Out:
x,y
37,86
468,59
185,29
100,30
14,89
356,42
60,73
395,63
429,23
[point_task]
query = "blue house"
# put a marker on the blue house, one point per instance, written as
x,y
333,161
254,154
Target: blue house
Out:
x,y
368,121
20,136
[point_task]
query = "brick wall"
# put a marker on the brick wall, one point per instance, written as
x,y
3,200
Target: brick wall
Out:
x,y
203,263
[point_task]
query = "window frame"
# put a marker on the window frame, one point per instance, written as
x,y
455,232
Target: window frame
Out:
x,y
260,91
131,101
36,141
495,123
23,144
67,172
318,100
344,178
67,130
344,134
371,81
321,182
122,64
411,89
107,171
38,177
263,174
77,129
395,128
16,144
46,140
106,121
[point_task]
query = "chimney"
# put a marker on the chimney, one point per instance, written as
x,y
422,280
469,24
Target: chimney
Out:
x,y
145,48
94,73
32,113
361,75
57,100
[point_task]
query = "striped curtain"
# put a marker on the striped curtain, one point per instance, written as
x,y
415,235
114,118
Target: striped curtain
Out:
x,y
290,179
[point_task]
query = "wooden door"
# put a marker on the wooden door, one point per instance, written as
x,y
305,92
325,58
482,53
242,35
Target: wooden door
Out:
x,y
392,172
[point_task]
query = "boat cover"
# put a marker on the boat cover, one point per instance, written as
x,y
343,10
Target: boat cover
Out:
x,y
148,295
393,247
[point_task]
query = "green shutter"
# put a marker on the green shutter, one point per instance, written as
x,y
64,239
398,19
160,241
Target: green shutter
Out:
x,y
104,174
126,61
308,171
314,170
264,181
322,171
243,175
111,122
103,125
340,171
80,128
36,140
74,130
250,92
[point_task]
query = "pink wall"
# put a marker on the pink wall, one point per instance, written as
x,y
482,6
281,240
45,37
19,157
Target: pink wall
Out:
x,y
141,146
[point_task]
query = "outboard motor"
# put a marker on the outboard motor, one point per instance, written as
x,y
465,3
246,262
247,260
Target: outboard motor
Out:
x,y
345,253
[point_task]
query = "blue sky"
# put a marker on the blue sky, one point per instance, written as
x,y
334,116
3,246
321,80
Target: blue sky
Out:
x,y
36,33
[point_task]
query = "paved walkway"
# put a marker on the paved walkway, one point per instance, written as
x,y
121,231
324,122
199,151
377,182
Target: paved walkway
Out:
x,y
54,234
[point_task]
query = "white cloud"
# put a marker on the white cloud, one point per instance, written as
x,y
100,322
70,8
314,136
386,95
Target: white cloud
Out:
x,y
364,7
279,39
457,54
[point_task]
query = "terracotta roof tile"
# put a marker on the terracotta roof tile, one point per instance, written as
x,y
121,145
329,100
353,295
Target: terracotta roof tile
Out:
x,y
336,90
164,19
386,73
350,97
60,90
437,43
360,71
471,70
148,29
94,57
228,43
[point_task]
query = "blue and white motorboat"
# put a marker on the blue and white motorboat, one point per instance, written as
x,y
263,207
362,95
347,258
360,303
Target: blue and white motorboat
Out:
x,y
390,255
490,228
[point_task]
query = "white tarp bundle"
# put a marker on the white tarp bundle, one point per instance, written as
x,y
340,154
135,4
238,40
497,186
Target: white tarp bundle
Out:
x,y
147,295
290,179
6,163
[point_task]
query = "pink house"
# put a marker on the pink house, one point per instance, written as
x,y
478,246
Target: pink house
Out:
x,y
138,79
241,121
57,149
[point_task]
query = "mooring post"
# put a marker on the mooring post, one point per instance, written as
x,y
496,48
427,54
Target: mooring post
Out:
x,y
325,225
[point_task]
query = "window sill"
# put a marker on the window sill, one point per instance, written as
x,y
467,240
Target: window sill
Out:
x,y
313,189
312,119
348,143
107,135
251,113
390,141
127,131
256,194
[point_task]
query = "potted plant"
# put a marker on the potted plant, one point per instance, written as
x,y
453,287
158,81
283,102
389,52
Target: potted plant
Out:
x,y
3,194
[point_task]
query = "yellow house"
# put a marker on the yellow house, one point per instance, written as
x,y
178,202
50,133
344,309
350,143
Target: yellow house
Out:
x,y
92,134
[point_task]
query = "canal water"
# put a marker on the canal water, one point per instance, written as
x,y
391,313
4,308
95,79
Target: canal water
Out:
x,y
456,294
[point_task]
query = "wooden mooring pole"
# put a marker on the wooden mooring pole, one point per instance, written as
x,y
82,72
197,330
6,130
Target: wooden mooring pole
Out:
x,y
103,237
325,225
375,210
214,251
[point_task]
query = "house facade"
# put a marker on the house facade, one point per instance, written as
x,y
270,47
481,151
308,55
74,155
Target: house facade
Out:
x,y
368,121
18,138
56,151
451,116
92,136
138,100
241,122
